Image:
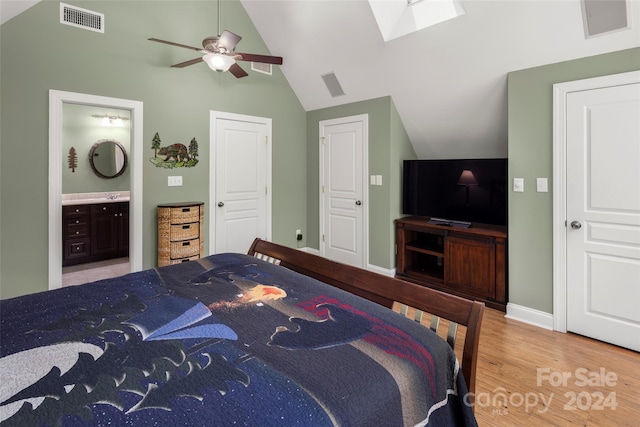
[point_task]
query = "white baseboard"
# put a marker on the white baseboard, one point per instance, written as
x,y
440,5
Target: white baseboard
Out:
x,y
310,250
529,315
390,272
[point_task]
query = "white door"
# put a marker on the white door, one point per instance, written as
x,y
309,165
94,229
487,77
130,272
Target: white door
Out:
x,y
343,173
241,181
603,214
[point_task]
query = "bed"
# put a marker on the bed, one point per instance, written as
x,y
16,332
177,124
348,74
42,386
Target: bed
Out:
x,y
277,336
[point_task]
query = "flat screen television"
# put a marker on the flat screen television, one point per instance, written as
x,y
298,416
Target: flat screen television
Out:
x,y
456,191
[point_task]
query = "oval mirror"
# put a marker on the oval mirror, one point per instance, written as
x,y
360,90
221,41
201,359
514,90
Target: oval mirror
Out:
x,y
108,158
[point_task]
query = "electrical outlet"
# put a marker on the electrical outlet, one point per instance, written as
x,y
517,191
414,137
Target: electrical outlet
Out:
x,y
298,235
174,181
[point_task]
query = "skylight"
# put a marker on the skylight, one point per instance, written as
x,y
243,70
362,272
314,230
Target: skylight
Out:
x,y
397,18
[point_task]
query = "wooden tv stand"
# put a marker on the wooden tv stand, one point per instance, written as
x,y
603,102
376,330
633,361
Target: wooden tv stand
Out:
x,y
468,262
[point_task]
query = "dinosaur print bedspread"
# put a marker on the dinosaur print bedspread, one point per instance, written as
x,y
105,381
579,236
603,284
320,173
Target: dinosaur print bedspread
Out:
x,y
225,340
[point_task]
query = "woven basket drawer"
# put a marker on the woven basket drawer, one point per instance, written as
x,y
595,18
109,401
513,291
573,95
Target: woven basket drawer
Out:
x,y
181,260
185,231
185,215
185,248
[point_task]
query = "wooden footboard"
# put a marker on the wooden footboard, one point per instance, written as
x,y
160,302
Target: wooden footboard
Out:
x,y
385,291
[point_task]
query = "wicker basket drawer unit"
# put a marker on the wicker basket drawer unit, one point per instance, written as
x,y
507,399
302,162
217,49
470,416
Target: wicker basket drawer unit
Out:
x,y
180,232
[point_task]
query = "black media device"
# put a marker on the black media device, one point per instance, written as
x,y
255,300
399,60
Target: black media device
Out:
x,y
456,192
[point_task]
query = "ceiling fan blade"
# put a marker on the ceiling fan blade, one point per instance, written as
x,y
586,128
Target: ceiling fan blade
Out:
x,y
187,63
229,40
176,44
237,71
266,59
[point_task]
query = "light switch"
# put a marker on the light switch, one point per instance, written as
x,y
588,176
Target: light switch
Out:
x,y
378,179
174,181
541,185
373,179
518,185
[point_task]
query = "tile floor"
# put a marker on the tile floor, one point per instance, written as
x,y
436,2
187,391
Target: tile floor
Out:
x,y
83,273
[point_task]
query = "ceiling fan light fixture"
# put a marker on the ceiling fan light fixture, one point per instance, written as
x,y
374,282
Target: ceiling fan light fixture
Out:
x,y
218,62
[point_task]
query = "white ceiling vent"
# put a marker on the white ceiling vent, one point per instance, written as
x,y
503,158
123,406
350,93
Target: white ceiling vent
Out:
x,y
332,83
262,68
81,18
605,16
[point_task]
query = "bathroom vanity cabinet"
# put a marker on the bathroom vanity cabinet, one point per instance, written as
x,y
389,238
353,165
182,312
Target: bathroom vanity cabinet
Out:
x,y
94,232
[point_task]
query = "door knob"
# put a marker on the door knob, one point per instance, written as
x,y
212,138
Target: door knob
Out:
x,y
576,225
358,202
220,204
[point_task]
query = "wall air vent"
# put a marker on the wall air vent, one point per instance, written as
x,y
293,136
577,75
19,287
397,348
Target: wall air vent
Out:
x,y
81,18
262,68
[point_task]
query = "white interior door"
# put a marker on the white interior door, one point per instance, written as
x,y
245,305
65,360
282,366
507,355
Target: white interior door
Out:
x,y
241,179
343,196
603,214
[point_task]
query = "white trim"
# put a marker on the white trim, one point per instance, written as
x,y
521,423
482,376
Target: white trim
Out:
x,y
528,315
310,250
364,118
389,272
559,210
560,93
213,128
56,99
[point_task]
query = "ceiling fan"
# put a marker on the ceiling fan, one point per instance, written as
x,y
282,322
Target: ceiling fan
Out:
x,y
219,53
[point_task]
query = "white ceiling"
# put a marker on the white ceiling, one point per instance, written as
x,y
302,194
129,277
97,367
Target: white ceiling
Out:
x,y
449,81
11,8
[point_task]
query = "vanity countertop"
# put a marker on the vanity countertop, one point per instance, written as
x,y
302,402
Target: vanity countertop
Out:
x,y
92,198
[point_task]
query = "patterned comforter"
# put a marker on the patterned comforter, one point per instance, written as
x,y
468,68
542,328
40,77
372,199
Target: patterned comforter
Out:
x,y
225,340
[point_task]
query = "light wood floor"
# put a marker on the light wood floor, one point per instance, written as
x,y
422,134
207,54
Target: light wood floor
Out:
x,y
519,378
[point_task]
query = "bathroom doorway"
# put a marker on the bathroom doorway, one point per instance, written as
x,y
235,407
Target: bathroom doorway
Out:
x,y
96,184
59,158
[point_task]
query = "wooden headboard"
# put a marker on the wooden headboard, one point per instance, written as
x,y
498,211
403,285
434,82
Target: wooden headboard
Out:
x,y
385,291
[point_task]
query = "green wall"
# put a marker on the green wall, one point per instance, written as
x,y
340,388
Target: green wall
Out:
x,y
38,54
388,146
530,106
81,131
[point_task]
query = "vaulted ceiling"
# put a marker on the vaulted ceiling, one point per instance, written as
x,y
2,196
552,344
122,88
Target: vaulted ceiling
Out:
x,y
448,81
